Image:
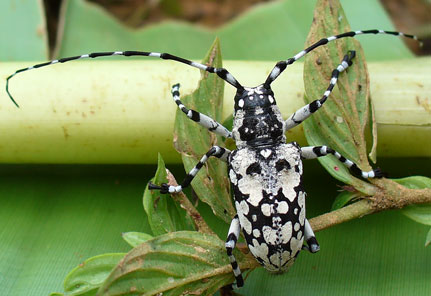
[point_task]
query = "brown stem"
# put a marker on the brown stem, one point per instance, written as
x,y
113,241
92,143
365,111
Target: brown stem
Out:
x,y
350,212
185,203
390,195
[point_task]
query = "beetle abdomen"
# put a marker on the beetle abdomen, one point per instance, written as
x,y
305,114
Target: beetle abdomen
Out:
x,y
270,201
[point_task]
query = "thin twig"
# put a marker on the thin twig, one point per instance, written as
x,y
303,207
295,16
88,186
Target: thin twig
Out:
x,y
389,196
185,203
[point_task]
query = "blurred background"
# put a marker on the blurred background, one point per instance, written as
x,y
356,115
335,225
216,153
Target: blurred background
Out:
x,y
413,16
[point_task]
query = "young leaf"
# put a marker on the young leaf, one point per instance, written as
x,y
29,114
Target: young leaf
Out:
x,y
179,263
428,239
86,278
418,213
164,214
211,184
342,121
136,238
342,199
414,182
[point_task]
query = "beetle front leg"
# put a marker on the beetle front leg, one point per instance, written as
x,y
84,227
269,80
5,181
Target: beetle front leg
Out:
x,y
303,113
202,119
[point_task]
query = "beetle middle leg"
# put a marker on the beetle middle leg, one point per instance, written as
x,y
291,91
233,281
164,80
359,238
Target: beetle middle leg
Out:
x,y
310,238
219,152
231,240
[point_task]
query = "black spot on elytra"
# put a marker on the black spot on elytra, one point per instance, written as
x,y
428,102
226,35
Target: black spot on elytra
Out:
x,y
238,195
254,168
282,164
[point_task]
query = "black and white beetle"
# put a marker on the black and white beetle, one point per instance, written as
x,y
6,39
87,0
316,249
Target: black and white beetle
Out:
x,y
264,170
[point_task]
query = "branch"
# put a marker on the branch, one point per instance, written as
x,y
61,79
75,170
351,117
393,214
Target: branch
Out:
x,y
390,195
185,203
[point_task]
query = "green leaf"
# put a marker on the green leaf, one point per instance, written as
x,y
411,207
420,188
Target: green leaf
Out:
x,y
179,263
136,238
418,213
164,214
228,122
414,182
211,184
23,31
85,279
428,239
342,121
342,199
65,214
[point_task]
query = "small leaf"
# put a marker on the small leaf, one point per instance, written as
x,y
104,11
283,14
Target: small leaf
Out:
x,y
342,121
372,130
179,263
136,238
164,214
228,122
414,182
428,239
342,199
418,213
211,184
86,278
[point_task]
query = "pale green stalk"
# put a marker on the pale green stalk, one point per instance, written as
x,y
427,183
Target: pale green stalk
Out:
x,y
122,111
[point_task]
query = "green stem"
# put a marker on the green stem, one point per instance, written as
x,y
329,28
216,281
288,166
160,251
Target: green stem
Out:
x,y
389,195
350,212
122,112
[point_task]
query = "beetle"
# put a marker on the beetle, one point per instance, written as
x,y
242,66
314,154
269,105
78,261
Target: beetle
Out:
x,y
265,171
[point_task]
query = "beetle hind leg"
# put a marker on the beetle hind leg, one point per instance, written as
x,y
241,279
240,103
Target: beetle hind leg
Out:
x,y
231,240
312,244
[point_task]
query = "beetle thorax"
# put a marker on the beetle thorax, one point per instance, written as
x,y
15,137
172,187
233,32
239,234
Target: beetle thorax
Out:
x,y
257,119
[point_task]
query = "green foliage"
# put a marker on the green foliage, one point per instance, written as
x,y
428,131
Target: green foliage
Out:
x,y
134,238
428,239
343,199
418,213
164,214
341,122
186,262
86,279
193,141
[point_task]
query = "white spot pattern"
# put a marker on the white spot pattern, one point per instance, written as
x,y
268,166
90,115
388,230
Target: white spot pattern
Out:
x,y
264,237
